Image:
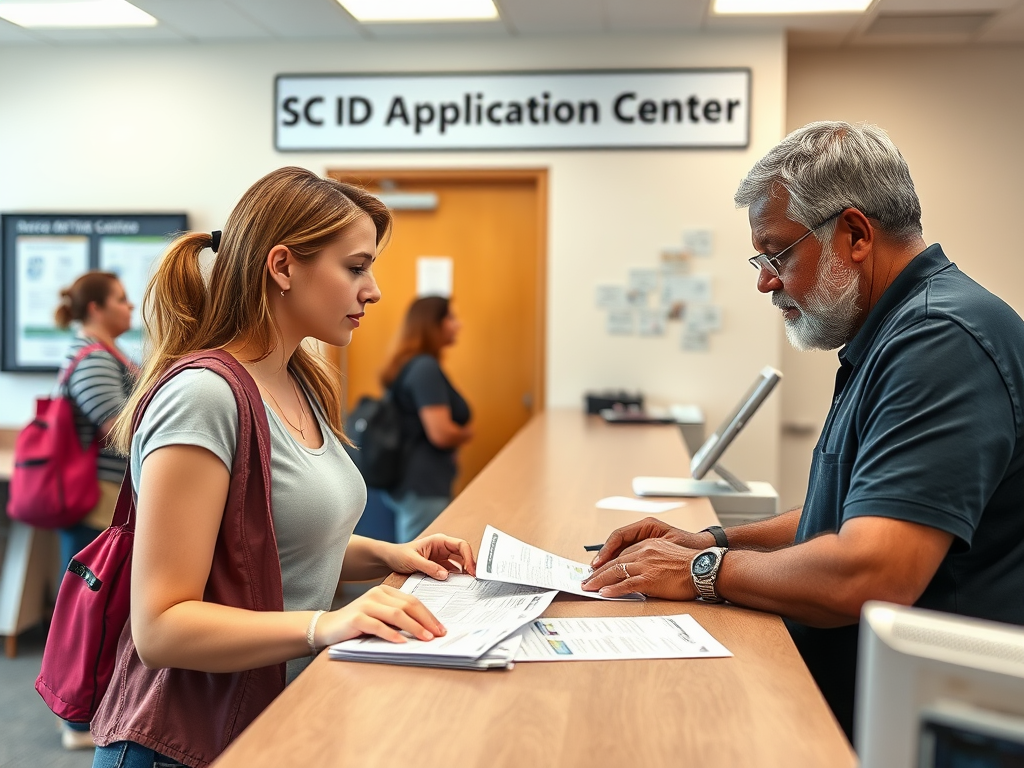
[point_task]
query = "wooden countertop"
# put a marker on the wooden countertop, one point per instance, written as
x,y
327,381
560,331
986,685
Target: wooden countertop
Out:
x,y
760,707
7,438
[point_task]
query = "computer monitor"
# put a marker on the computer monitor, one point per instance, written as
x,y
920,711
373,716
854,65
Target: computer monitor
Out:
x,y
708,454
735,502
936,690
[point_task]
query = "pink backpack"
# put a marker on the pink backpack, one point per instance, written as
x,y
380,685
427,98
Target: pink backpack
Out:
x,y
54,483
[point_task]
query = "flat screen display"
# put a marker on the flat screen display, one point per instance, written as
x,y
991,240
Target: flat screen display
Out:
x,y
711,451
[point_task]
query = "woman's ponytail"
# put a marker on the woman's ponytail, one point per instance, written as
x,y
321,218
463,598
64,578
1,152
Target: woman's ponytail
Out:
x,y
173,309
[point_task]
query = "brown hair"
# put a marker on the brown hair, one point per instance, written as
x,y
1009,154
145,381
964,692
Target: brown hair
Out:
x,y
74,301
420,335
292,207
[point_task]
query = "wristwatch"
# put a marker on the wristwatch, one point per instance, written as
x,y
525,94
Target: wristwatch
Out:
x,y
704,572
719,533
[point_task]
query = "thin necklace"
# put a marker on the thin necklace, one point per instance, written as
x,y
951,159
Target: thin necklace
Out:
x,y
301,428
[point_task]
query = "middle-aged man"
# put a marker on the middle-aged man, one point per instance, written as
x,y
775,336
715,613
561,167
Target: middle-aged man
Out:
x,y
916,491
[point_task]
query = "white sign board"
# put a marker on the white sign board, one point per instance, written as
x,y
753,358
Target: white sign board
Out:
x,y
623,109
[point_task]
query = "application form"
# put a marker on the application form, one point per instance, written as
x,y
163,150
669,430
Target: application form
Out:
x,y
610,638
505,558
477,614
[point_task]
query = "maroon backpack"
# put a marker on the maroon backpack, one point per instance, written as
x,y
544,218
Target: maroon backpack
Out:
x,y
94,598
54,483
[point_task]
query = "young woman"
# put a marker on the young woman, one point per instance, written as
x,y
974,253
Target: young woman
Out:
x,y
435,417
99,385
294,262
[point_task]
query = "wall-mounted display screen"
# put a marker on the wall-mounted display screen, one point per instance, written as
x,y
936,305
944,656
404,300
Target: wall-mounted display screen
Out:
x,y
43,253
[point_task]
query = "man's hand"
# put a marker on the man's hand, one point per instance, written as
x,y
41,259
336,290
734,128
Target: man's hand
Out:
x,y
648,528
656,567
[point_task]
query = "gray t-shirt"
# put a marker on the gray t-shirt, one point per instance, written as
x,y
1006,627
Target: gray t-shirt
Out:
x,y
317,494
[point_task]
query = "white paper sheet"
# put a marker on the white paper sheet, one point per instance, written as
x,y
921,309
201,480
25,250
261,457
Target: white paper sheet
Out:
x,y
642,506
434,276
610,638
505,558
477,614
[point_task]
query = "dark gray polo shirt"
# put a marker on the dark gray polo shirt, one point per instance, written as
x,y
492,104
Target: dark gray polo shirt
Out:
x,y
926,426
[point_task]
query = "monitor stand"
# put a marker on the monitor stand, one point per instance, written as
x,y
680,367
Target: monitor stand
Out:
x,y
734,501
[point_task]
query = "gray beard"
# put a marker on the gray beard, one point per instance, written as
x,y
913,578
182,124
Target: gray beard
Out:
x,y
829,312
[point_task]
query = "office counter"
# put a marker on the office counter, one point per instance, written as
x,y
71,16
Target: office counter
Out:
x,y
759,708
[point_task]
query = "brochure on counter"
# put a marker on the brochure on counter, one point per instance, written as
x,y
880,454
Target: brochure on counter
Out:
x,y
506,558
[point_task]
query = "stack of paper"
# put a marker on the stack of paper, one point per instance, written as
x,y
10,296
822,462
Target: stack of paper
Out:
x,y
493,620
478,615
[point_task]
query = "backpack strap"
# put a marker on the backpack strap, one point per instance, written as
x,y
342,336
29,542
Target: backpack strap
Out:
x,y
83,353
251,413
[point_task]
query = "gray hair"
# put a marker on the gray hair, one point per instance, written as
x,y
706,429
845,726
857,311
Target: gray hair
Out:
x,y
827,167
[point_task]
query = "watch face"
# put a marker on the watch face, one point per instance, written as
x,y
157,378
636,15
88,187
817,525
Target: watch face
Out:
x,y
704,563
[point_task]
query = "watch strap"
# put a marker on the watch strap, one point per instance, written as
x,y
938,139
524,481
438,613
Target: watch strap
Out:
x,y
721,540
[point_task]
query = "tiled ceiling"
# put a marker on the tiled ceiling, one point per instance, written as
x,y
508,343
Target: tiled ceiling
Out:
x,y
886,22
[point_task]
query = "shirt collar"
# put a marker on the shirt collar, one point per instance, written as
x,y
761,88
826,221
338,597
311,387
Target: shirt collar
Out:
x,y
927,263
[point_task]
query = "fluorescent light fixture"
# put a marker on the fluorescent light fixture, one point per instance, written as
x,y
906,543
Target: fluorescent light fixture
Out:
x,y
790,6
76,14
420,10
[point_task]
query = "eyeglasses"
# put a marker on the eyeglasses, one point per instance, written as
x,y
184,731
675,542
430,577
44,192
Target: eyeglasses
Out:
x,y
773,263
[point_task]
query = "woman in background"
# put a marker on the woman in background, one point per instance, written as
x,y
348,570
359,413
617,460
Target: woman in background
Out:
x,y
96,304
435,417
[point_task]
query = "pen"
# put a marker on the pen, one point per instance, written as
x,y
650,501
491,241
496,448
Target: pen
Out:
x,y
593,547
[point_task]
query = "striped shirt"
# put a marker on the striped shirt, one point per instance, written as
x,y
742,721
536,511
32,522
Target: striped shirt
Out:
x,y
99,387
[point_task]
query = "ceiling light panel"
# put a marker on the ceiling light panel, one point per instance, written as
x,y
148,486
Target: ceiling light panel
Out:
x,y
75,14
418,10
762,7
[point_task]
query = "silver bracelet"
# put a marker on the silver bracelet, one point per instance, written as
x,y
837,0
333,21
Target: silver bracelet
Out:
x,y
311,631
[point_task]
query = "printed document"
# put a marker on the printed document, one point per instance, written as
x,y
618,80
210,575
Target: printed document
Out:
x,y
477,614
610,638
506,558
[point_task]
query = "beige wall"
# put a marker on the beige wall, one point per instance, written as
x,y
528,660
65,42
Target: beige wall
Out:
x,y
956,115
190,127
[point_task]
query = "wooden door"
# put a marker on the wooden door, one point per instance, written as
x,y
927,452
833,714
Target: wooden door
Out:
x,y
492,224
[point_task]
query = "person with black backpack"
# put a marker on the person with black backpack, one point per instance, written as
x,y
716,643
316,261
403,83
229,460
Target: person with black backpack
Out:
x,y
434,417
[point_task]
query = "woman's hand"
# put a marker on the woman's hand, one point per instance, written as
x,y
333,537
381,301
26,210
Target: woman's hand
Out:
x,y
383,611
435,555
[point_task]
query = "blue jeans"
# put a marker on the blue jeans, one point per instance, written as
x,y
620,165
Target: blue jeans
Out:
x,y
72,541
128,754
413,513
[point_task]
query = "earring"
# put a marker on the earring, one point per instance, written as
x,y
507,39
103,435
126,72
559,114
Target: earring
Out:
x,y
282,293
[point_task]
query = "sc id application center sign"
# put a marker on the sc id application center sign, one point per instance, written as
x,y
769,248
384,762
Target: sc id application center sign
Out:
x,y
622,109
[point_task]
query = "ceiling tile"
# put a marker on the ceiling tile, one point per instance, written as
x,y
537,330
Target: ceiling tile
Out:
x,y
943,6
544,17
205,20
294,20
654,15
12,33
438,30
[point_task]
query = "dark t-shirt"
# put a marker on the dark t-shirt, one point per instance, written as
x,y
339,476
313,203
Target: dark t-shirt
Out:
x,y
429,470
926,426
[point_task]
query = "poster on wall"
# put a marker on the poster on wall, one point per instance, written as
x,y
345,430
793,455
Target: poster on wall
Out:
x,y
43,253
583,109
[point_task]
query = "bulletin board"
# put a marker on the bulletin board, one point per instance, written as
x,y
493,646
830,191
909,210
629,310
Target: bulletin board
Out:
x,y
43,253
